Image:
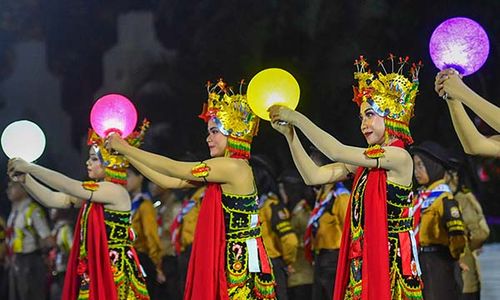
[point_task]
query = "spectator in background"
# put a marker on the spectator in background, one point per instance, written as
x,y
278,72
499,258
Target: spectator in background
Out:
x,y
476,228
167,206
324,232
183,228
28,233
62,233
280,240
299,199
439,224
3,254
147,241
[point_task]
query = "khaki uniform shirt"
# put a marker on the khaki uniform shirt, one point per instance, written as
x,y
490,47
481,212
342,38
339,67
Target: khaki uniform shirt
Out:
x,y
189,221
303,270
442,224
2,241
277,233
146,230
167,211
29,224
477,231
331,223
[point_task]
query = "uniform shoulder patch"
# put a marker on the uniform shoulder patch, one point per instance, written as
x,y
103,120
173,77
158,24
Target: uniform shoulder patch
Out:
x,y
454,212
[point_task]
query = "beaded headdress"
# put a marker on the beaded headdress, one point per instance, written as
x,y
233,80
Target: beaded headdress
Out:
x,y
115,164
233,117
391,95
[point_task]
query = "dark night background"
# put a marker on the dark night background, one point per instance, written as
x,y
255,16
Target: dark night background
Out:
x,y
316,40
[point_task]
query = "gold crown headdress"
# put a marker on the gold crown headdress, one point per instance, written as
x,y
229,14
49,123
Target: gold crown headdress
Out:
x,y
233,116
391,95
116,164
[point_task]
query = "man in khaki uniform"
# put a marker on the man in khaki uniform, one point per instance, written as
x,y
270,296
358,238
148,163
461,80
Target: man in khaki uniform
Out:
x,y
298,198
3,253
280,240
167,206
476,228
147,241
324,232
182,231
323,236
27,233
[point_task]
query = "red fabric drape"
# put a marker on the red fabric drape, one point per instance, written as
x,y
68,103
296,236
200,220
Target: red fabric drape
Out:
x,y
375,269
206,277
102,285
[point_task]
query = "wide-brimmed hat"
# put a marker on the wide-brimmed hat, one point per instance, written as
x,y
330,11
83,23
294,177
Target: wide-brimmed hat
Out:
x,y
434,151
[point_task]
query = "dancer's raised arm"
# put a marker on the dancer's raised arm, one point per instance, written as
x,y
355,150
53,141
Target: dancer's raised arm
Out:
x,y
108,193
472,140
394,159
163,181
44,195
218,169
450,83
310,172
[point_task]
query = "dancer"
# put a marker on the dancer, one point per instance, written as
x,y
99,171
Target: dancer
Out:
x,y
103,263
228,258
367,268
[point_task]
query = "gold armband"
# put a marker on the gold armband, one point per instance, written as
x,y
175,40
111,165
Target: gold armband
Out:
x,y
90,186
201,170
374,151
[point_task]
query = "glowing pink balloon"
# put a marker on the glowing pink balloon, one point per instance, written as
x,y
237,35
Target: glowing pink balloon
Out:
x,y
113,113
459,43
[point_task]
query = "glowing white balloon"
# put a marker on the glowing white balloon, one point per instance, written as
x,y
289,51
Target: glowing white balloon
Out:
x,y
23,139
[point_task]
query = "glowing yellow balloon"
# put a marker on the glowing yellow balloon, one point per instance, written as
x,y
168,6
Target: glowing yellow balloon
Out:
x,y
272,87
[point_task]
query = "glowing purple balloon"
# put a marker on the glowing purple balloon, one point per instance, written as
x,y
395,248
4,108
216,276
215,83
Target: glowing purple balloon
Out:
x,y
113,113
459,43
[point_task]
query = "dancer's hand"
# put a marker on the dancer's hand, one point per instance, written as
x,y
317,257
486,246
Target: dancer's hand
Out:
x,y
281,113
18,165
18,177
283,128
16,169
115,142
448,83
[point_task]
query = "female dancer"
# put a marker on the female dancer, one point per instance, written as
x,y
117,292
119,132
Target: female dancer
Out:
x,y
228,259
103,263
379,213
